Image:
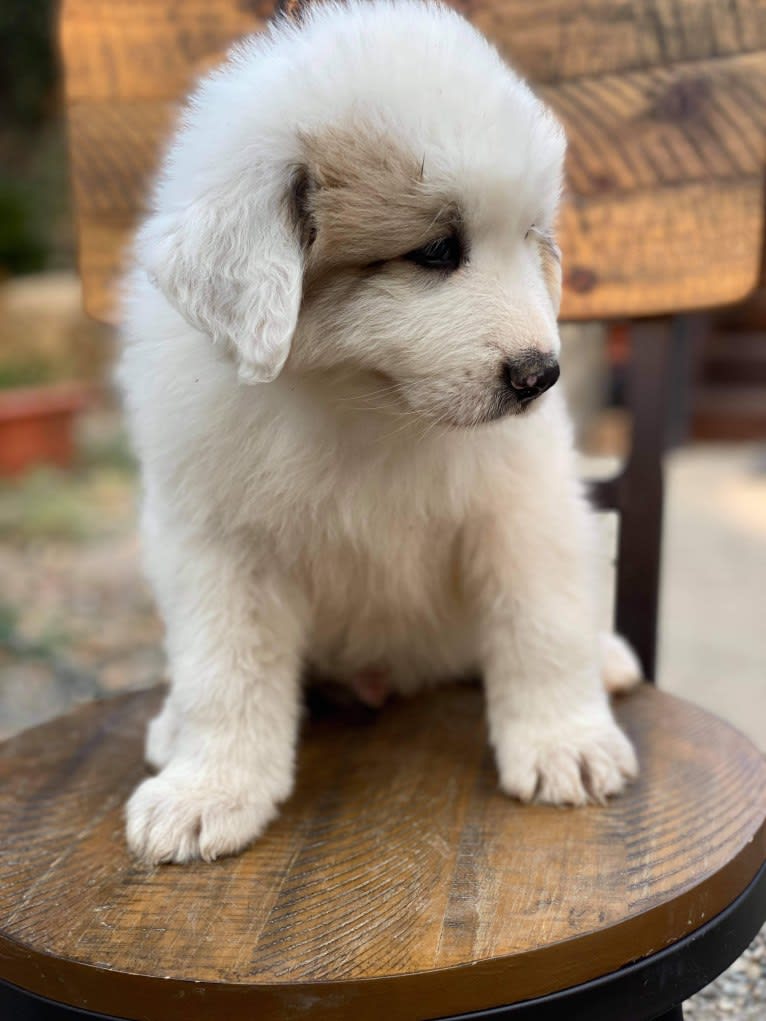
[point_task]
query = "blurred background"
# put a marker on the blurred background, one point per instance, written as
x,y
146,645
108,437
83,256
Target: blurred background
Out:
x,y
76,620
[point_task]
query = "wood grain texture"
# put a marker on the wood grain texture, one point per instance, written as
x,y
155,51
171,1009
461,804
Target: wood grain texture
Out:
x,y
149,49
664,104
557,40
397,876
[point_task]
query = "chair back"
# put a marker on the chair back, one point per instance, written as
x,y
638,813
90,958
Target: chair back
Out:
x,y
665,110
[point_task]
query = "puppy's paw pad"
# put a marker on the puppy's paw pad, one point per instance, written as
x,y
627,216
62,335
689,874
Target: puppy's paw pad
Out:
x,y
170,819
566,764
620,668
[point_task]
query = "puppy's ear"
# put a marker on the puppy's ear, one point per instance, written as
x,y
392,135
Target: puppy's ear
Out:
x,y
232,264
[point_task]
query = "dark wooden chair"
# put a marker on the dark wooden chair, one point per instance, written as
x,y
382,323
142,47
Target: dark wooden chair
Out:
x,y
398,884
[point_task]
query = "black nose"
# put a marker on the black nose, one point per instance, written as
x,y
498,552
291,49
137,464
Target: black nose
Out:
x,y
530,377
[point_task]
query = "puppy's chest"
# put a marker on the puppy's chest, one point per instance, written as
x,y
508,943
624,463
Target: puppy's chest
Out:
x,y
391,601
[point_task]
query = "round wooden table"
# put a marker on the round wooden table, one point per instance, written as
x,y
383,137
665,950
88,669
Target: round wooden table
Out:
x,y
398,883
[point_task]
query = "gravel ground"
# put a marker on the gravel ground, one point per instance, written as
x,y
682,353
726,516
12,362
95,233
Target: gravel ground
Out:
x,y
77,622
76,618
739,994
74,625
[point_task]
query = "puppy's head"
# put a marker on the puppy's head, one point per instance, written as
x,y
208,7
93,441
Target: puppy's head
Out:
x,y
371,191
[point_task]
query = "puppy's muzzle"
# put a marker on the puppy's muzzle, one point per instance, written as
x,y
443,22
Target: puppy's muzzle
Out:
x,y
531,376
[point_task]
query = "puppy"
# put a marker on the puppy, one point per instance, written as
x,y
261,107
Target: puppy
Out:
x,y
340,351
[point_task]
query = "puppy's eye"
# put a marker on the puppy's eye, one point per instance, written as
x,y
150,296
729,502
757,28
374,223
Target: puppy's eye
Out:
x,y
443,253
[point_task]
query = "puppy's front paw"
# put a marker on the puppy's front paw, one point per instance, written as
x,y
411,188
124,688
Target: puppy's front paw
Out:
x,y
176,817
569,762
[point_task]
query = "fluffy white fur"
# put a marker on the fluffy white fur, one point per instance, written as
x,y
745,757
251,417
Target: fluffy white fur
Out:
x,y
328,480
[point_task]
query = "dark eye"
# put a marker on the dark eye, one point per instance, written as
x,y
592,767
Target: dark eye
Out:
x,y
443,253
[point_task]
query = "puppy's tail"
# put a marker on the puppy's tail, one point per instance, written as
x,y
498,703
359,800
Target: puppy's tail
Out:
x,y
620,668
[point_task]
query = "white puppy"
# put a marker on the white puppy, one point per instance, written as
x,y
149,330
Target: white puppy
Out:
x,y
337,334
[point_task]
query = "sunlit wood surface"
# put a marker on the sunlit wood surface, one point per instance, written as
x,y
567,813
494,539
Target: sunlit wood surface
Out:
x,y
397,884
664,104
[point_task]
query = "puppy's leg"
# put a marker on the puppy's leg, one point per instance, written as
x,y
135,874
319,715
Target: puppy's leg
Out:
x,y
226,737
550,723
620,669
161,736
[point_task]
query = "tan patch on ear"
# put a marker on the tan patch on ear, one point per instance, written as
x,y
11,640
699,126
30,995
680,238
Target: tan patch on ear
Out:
x,y
370,202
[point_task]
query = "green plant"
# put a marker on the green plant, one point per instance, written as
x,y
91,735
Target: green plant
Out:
x,y
22,244
11,638
34,225
29,372
28,67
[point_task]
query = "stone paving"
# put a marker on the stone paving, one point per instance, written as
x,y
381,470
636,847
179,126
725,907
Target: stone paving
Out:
x,y
713,599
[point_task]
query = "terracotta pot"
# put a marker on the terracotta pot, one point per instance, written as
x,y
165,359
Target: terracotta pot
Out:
x,y
37,425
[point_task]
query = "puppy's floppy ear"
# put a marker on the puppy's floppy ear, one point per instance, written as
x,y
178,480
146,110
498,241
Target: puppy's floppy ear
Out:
x,y
231,262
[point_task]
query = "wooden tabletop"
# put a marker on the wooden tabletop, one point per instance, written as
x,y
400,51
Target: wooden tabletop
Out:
x,y
397,884
664,105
